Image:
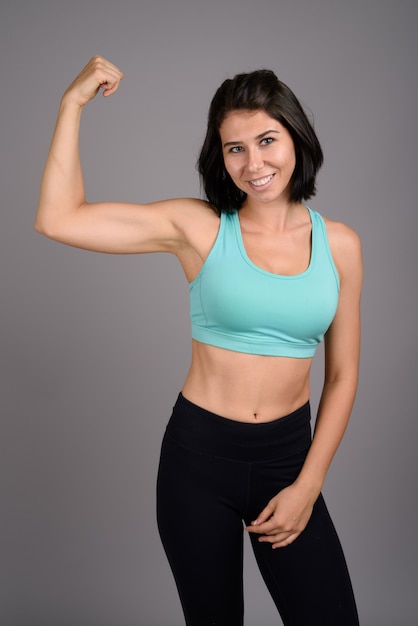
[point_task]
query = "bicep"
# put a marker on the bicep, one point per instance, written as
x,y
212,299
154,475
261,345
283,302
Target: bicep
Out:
x,y
120,228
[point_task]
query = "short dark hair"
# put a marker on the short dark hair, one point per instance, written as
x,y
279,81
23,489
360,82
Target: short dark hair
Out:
x,y
259,90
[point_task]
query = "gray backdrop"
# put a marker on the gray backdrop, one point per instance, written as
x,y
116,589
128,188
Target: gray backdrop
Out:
x,y
94,348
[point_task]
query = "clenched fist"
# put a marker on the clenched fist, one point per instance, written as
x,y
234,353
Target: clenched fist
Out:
x,y
98,74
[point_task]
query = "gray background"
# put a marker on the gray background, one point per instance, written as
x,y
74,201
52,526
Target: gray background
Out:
x,y
94,348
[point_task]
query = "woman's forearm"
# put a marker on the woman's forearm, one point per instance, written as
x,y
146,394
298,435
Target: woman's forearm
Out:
x,y
333,415
62,186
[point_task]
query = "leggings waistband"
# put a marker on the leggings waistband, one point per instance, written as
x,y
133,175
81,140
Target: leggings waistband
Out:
x,y
205,432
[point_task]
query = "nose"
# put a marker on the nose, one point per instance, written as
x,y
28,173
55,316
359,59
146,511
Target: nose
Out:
x,y
255,161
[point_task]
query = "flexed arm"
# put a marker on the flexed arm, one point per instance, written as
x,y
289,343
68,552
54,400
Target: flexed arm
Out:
x,y
63,212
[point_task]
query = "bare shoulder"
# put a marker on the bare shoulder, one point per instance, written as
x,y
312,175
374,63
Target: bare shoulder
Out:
x,y
345,246
191,209
341,235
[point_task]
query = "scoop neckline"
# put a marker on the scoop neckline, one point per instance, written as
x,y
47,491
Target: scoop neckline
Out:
x,y
251,263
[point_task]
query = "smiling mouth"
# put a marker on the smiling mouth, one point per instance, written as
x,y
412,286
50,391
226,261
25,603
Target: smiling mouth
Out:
x,y
261,181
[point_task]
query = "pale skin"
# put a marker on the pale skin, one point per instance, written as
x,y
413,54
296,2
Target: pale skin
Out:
x,y
259,156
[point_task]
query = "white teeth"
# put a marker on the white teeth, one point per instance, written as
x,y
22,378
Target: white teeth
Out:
x,y
261,181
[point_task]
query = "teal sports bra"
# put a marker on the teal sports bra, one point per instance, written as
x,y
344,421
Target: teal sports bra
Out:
x,y
236,305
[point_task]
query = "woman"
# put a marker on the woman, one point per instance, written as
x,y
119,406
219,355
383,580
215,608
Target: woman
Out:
x,y
268,278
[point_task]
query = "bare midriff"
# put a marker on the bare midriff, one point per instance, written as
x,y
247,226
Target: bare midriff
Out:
x,y
246,387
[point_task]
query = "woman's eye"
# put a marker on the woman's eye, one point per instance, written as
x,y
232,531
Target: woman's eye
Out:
x,y
236,149
266,141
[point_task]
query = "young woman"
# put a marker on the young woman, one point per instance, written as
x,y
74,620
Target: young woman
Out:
x,y
269,278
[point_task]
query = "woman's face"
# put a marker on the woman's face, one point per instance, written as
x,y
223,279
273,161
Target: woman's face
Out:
x,y
259,155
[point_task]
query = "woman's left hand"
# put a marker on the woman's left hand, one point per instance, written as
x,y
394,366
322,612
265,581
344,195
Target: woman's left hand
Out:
x,y
284,517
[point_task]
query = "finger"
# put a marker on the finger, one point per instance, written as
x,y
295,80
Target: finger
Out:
x,y
265,515
102,64
279,540
106,75
285,542
109,88
111,85
265,528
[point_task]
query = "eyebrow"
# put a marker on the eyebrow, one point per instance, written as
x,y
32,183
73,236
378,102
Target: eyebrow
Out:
x,y
267,132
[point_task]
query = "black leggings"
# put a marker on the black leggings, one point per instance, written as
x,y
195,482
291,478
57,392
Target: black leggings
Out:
x,y
216,472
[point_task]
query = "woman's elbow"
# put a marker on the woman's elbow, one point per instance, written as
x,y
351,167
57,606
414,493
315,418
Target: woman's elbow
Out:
x,y
47,227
